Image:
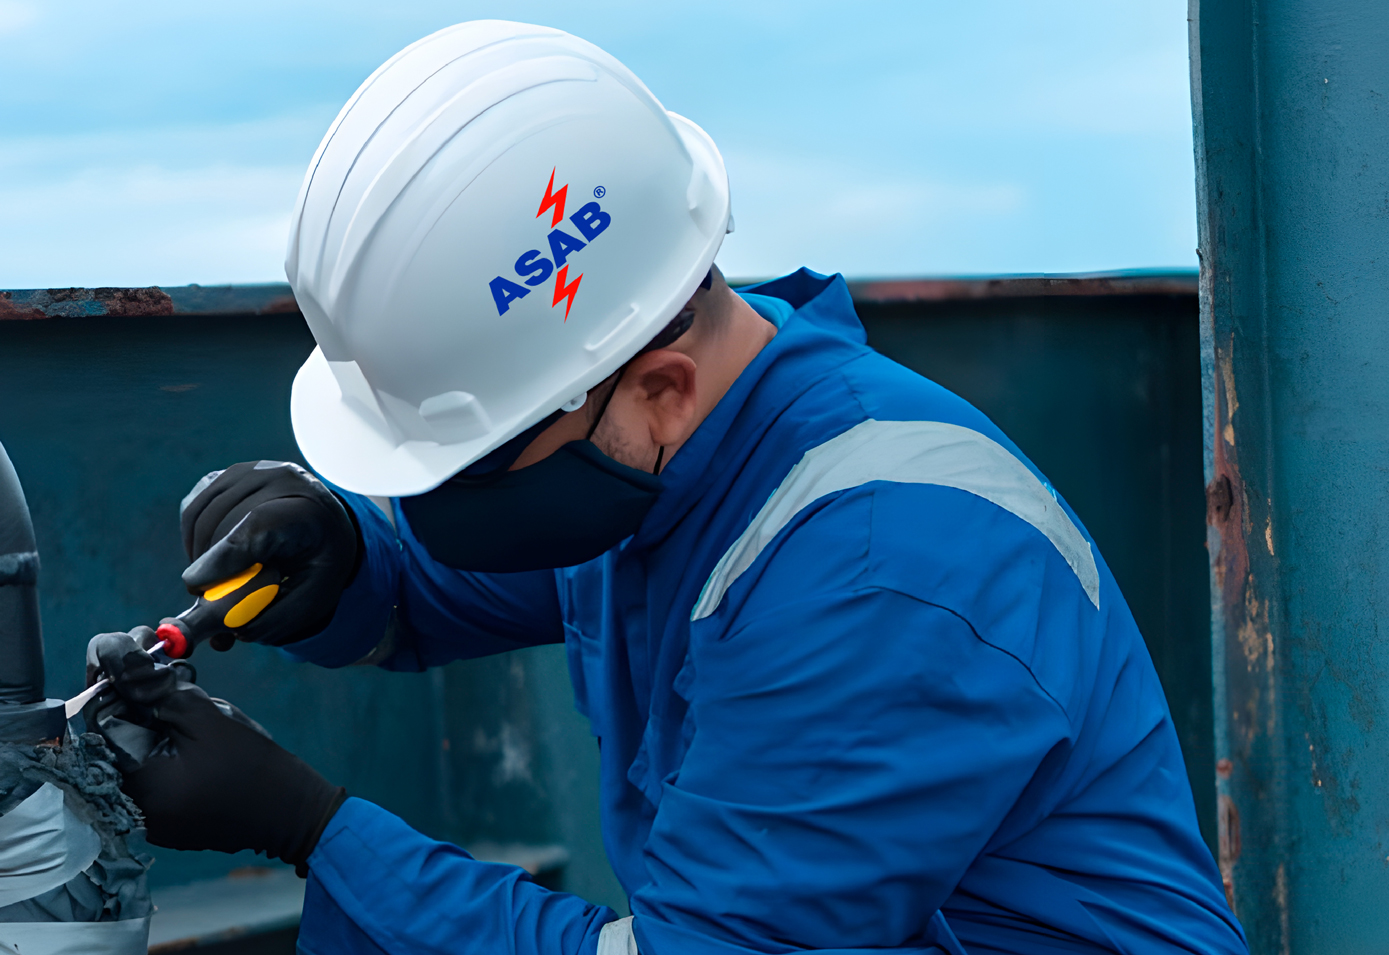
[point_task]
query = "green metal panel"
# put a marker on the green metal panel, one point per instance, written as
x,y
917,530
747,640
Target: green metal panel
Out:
x,y
1292,153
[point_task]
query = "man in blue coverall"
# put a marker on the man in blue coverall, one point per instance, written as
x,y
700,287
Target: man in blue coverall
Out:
x,y
860,678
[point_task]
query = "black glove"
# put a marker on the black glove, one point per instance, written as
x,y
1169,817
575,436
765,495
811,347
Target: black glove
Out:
x,y
141,638
127,722
215,780
276,514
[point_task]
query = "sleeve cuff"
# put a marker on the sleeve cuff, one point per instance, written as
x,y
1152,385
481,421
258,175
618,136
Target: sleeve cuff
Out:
x,y
365,608
408,892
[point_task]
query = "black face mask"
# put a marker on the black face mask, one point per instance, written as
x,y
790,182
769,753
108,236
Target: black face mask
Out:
x,y
563,510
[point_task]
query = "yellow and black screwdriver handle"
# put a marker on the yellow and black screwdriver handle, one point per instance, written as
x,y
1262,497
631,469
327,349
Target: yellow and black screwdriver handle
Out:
x,y
222,608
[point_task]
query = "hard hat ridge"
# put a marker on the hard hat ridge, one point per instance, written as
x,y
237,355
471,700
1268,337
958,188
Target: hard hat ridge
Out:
x,y
500,217
396,81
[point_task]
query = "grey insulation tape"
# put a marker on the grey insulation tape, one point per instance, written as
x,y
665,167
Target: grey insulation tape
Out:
x,y
21,567
126,937
113,887
42,845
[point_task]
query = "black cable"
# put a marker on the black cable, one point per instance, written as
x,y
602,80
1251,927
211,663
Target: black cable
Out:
x,y
607,398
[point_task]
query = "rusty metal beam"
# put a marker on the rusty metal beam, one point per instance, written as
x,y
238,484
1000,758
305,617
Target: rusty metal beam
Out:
x,y
1290,100
274,298
883,291
27,304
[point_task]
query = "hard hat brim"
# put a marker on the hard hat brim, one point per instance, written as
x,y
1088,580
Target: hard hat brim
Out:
x,y
341,444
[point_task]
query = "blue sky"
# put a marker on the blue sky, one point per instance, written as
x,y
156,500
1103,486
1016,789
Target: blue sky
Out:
x,y
163,142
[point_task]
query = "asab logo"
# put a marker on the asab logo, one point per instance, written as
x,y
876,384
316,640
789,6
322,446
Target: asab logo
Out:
x,y
534,267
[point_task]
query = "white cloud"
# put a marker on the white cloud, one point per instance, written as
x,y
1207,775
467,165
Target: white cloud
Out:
x,y
15,16
273,140
1132,94
169,206
792,211
147,226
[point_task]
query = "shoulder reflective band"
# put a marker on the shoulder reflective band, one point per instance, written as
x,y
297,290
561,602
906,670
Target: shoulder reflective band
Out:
x,y
616,938
907,452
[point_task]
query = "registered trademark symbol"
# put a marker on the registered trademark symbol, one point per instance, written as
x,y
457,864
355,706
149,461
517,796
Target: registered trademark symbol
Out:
x,y
599,192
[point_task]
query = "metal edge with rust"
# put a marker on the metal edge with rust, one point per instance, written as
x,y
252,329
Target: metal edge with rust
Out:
x,y
277,298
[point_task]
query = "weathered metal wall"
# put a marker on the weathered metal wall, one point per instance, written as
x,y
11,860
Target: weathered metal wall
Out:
x,y
111,413
1291,103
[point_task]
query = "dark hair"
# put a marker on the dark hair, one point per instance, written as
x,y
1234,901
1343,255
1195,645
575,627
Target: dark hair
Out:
x,y
678,325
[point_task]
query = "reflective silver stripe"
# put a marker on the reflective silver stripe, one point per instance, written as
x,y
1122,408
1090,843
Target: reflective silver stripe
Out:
x,y
384,505
616,938
907,452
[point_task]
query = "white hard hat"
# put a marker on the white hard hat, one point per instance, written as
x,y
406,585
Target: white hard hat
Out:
x,y
498,219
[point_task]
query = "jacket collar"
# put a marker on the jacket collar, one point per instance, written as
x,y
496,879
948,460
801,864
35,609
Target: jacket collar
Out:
x,y
822,334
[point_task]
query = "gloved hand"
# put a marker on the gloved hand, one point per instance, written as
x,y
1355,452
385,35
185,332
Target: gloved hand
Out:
x,y
145,686
277,514
216,780
142,638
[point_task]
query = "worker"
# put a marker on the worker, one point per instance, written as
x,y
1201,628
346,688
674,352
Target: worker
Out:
x,y
860,678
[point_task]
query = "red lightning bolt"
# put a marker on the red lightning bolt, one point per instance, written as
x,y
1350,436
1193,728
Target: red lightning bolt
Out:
x,y
555,199
566,292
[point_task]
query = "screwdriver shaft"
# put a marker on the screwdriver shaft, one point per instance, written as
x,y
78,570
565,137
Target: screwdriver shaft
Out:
x,y
74,705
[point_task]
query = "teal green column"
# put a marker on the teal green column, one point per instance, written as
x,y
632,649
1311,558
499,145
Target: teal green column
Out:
x,y
1291,105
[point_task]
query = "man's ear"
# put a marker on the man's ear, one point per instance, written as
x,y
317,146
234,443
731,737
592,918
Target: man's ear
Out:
x,y
664,382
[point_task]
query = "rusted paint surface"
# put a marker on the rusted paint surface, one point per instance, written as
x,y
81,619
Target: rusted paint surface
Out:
x,y
75,302
1229,845
1023,286
1244,639
274,298
12,310
1291,180
29,304
281,305
278,298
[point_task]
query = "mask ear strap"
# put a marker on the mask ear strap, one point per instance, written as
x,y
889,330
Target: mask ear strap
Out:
x,y
660,456
603,409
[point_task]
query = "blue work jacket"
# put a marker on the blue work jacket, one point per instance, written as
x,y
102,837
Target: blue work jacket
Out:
x,y
861,680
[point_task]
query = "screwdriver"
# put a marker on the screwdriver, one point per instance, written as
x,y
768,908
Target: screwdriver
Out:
x,y
222,608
